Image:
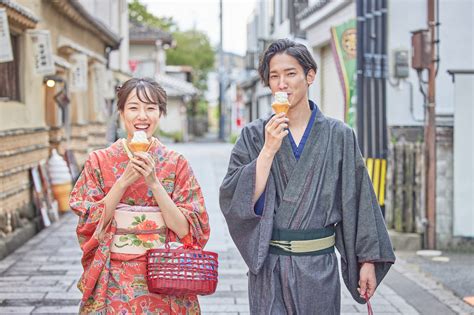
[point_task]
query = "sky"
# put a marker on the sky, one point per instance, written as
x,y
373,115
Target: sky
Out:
x,y
204,16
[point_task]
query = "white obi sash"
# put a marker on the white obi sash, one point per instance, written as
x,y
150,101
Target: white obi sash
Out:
x,y
138,229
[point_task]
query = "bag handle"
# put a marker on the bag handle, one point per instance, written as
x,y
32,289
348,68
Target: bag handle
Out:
x,y
186,245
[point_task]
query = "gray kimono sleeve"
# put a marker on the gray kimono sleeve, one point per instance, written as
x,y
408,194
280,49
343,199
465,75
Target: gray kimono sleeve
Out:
x,y
362,234
251,233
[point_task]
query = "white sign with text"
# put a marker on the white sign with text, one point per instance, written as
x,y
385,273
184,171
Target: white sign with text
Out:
x,y
6,53
42,52
78,81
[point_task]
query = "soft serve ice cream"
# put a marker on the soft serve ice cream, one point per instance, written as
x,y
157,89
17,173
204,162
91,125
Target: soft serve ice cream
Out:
x,y
61,180
58,170
281,104
139,142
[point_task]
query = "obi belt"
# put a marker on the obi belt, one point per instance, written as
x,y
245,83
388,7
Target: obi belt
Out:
x,y
309,242
139,228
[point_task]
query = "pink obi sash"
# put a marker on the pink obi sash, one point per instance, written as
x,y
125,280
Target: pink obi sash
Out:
x,y
138,229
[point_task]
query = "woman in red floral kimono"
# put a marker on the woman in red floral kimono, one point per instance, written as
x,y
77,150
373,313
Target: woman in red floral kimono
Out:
x,y
127,203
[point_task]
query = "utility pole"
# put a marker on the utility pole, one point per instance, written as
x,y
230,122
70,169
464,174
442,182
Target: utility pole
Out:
x,y
430,132
221,79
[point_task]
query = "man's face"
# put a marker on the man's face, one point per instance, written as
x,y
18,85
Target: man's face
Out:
x,y
287,75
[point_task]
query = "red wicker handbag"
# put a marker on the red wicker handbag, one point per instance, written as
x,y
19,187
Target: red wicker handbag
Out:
x,y
186,270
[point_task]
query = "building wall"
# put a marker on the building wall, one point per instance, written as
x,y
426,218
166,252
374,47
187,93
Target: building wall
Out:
x,y
29,112
142,52
281,21
60,25
147,57
444,187
30,128
318,27
175,120
464,155
453,35
332,97
456,50
326,89
20,149
263,13
114,14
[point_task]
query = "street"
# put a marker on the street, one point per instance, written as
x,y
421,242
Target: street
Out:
x,y
40,277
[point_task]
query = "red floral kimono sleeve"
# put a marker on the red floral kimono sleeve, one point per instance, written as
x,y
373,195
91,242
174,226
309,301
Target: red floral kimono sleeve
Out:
x,y
86,202
187,196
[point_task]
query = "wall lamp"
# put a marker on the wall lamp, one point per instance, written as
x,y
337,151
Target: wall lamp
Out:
x,y
51,80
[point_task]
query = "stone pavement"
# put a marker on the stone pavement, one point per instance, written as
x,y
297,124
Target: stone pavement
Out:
x,y
41,276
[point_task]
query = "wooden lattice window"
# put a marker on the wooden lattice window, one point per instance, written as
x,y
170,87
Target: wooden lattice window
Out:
x,y
10,73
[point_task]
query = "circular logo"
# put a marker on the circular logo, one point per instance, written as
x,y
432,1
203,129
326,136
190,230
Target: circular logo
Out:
x,y
349,42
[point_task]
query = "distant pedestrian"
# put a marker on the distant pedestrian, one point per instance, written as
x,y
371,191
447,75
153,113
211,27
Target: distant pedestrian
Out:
x,y
297,187
129,197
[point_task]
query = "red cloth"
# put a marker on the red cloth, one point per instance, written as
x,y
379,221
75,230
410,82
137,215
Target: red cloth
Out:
x,y
115,283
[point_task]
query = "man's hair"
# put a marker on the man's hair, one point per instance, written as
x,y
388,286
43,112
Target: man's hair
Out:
x,y
291,48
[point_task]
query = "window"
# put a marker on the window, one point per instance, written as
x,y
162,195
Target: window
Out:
x,y
284,10
9,74
271,14
282,13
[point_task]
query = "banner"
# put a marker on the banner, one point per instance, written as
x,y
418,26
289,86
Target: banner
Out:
x,y
42,52
78,81
6,53
344,49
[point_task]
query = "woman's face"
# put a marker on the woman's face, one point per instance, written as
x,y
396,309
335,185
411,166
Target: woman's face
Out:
x,y
287,75
137,115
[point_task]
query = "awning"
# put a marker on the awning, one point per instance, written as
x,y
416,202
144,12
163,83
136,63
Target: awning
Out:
x,y
20,18
175,87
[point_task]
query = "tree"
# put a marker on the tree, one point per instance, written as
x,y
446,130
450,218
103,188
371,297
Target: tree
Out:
x,y
137,12
193,48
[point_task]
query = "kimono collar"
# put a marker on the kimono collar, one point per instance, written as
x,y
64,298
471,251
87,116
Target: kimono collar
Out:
x,y
297,149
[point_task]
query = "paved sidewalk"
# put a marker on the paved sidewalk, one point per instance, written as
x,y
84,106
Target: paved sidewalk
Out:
x,y
41,276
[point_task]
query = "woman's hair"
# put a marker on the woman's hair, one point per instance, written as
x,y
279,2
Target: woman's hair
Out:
x,y
148,91
291,48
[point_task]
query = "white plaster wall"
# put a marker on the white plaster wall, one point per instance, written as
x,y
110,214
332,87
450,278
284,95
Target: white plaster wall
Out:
x,y
456,52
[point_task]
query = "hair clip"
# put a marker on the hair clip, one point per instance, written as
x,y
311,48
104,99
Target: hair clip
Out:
x,y
117,88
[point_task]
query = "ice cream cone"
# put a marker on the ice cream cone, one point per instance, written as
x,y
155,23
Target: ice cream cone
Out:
x,y
139,142
61,194
280,107
281,104
138,146
60,180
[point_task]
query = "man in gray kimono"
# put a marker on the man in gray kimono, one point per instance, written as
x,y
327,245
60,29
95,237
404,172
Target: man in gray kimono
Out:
x,y
297,187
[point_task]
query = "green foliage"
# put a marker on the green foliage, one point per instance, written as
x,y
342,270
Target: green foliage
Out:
x,y
215,113
137,12
202,107
194,49
233,138
176,136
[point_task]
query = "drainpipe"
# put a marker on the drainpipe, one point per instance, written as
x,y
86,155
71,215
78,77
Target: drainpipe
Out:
x,y
360,74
